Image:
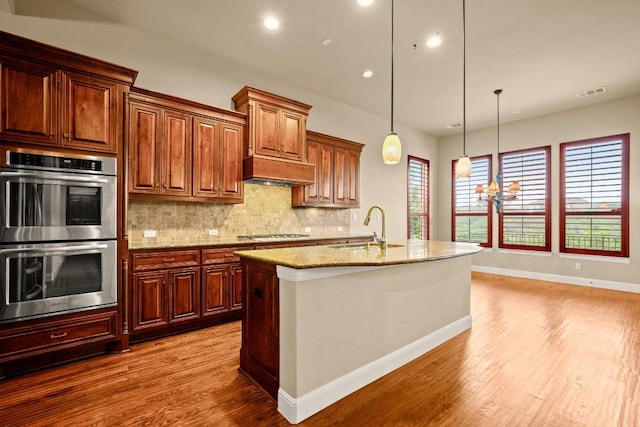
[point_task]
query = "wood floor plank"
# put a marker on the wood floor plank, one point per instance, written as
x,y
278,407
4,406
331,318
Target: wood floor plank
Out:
x,y
538,354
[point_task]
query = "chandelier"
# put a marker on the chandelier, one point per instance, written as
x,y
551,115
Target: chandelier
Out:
x,y
494,193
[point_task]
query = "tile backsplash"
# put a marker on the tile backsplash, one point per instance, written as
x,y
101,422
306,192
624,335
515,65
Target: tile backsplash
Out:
x,y
266,209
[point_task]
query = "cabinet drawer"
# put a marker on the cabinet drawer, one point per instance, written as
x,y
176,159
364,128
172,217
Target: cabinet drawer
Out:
x,y
219,256
57,335
145,261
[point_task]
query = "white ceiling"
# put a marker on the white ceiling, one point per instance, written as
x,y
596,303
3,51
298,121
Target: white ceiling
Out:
x,y
540,52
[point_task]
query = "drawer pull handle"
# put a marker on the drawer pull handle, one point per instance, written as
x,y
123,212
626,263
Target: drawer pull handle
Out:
x,y
56,336
168,259
229,255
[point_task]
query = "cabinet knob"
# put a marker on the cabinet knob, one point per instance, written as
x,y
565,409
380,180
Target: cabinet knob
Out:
x,y
168,259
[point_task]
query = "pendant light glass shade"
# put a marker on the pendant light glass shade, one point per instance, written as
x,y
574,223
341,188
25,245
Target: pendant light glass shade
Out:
x,y
391,149
463,167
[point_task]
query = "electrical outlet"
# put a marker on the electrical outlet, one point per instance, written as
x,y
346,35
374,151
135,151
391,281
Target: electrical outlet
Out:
x,y
213,232
355,217
578,266
340,228
149,233
307,229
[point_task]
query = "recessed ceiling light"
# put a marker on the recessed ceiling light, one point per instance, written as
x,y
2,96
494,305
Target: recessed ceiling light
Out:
x,y
516,112
326,42
434,41
454,126
367,74
271,23
365,3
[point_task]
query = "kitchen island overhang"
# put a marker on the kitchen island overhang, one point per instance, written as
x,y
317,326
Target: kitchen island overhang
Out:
x,y
346,317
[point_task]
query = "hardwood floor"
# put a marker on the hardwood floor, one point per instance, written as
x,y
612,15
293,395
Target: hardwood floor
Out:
x,y
539,354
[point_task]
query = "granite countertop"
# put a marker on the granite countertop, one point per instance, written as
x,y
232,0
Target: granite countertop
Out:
x,y
409,251
234,240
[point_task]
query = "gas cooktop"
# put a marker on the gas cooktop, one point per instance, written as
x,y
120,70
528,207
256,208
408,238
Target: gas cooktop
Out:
x,y
274,236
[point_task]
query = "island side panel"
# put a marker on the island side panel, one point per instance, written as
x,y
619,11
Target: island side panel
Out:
x,y
259,354
332,326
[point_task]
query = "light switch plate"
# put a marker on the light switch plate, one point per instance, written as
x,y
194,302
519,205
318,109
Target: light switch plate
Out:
x,y
149,233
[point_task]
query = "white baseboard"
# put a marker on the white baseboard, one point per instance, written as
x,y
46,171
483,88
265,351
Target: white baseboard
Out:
x,y
580,281
296,410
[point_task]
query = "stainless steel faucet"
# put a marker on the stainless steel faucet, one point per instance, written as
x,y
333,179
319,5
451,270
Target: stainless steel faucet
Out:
x,y
382,241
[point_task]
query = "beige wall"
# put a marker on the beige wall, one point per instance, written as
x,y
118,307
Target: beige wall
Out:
x,y
180,71
610,118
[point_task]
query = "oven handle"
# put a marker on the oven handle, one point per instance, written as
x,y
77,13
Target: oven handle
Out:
x,y
54,251
54,177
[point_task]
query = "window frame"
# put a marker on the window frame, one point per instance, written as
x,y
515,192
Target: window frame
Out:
x,y
547,200
426,212
624,202
488,213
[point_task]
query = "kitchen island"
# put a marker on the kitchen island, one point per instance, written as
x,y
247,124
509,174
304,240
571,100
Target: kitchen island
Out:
x,y
321,322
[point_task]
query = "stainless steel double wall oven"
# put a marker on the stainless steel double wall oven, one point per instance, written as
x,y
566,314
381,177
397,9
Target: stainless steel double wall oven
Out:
x,y
58,245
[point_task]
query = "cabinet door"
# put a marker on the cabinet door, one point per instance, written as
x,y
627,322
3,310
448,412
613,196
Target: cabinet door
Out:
x,y
231,140
347,177
213,289
235,285
206,158
325,173
150,308
29,103
184,302
145,127
292,136
177,153
92,111
352,178
340,183
266,139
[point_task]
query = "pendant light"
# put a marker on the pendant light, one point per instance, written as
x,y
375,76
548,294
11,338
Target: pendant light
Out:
x,y
391,148
463,165
494,191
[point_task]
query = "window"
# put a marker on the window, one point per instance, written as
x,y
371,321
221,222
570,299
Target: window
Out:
x,y
418,199
525,223
471,218
594,196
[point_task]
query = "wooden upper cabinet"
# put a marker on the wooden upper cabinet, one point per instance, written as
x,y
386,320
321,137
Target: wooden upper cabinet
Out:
x,y
293,135
347,183
92,112
267,141
232,138
29,103
177,153
180,150
337,182
217,159
277,125
145,163
53,97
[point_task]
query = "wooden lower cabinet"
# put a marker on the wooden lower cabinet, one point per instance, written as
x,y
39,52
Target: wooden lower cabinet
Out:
x,y
35,344
177,290
260,351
